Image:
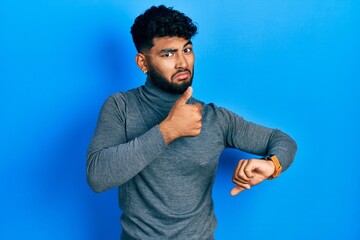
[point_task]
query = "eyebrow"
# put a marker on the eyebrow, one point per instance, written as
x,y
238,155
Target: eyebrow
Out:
x,y
172,50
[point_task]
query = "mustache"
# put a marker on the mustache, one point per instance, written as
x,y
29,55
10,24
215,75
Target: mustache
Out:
x,y
181,71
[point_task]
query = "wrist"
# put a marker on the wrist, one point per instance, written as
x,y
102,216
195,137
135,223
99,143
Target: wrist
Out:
x,y
168,133
277,166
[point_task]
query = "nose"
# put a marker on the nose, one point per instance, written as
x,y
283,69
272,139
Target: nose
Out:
x,y
181,62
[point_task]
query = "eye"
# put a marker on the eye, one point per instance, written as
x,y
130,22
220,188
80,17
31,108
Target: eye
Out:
x,y
167,54
187,50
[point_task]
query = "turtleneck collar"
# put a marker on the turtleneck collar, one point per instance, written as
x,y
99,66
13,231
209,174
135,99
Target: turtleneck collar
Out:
x,y
159,97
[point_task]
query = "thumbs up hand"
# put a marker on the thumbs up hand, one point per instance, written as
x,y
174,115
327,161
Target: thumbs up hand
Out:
x,y
183,120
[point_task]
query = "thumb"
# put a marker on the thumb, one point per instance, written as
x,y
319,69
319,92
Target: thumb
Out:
x,y
236,190
185,96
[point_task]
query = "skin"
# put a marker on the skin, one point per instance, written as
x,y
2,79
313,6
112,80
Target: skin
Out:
x,y
251,172
173,59
170,57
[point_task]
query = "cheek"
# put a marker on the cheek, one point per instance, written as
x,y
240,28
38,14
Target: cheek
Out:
x,y
191,61
166,68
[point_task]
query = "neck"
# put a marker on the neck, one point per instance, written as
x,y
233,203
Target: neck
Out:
x,y
158,99
158,93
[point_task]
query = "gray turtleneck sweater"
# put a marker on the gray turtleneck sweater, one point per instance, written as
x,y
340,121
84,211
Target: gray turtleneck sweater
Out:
x,y
165,191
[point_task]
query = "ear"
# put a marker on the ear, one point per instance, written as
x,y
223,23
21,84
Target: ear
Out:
x,y
141,62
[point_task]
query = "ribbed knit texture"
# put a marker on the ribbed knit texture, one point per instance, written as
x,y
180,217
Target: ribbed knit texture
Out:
x,y
165,192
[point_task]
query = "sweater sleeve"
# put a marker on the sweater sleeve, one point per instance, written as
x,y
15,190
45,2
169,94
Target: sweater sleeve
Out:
x,y
258,140
113,160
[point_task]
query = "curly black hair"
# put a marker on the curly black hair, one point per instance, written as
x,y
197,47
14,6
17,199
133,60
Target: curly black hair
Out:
x,y
160,21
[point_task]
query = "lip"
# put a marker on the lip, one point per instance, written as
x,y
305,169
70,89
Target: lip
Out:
x,y
182,75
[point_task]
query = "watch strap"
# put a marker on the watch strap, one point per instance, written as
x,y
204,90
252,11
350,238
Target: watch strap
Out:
x,y
278,167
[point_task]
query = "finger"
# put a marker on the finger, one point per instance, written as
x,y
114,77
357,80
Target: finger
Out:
x,y
246,185
257,179
236,172
199,107
236,190
242,174
239,181
185,96
249,170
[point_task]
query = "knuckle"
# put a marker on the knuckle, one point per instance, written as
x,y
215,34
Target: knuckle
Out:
x,y
241,175
248,171
198,131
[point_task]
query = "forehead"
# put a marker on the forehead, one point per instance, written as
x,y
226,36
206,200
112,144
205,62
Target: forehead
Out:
x,y
169,42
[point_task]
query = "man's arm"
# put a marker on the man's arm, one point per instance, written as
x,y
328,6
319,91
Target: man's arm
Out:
x,y
112,161
262,141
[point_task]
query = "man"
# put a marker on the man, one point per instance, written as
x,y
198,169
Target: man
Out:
x,y
160,146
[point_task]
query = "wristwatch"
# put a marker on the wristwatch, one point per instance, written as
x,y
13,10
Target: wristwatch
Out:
x,y
278,167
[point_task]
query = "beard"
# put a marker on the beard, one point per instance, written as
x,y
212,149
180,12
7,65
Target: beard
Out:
x,y
161,82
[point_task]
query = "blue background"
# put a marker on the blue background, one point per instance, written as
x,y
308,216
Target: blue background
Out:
x,y
293,65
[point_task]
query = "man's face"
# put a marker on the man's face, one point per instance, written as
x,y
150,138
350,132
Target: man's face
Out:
x,y
170,64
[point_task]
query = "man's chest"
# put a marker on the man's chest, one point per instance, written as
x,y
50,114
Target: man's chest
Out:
x,y
191,153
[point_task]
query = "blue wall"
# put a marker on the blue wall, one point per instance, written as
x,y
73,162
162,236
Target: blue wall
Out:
x,y
293,65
